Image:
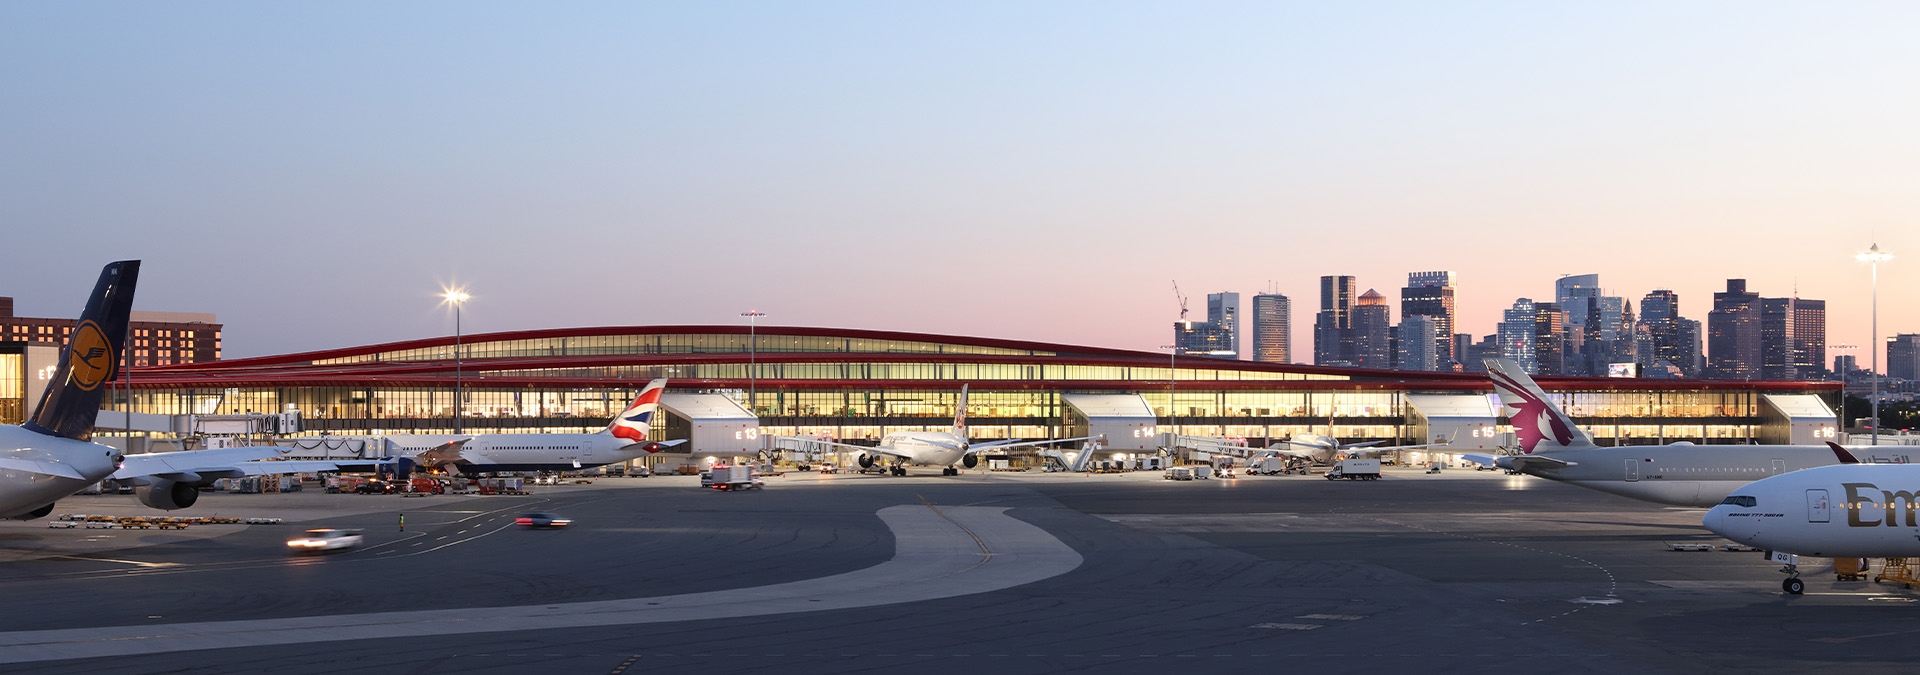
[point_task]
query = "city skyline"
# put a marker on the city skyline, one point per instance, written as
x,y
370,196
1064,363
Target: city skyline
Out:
x,y
316,175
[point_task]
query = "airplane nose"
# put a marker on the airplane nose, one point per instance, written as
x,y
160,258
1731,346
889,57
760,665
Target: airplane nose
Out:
x,y
1716,521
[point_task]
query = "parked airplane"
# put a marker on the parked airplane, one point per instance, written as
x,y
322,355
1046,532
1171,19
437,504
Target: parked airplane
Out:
x,y
1681,474
1850,510
934,448
1320,449
52,456
625,438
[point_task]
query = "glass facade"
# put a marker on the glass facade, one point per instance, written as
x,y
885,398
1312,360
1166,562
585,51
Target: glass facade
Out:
x,y
874,386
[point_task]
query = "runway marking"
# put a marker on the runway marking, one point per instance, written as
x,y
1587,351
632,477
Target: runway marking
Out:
x,y
135,563
1613,583
956,551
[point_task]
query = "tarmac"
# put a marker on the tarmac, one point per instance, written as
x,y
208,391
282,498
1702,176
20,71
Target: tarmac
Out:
x,y
1461,571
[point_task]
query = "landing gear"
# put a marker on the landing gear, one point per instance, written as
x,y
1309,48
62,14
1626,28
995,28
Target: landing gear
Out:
x,y
1792,584
898,470
949,471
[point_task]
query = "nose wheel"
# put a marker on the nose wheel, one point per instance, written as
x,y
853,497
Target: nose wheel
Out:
x,y
1793,585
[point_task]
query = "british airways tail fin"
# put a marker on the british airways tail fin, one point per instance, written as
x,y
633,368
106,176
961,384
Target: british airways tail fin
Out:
x,y
960,414
1538,423
636,422
71,403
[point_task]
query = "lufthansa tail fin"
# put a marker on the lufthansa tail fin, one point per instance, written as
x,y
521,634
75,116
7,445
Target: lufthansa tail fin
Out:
x,y
71,403
960,414
1538,423
636,422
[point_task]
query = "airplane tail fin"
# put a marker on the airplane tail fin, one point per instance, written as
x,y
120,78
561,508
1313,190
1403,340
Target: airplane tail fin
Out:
x,y
636,422
1538,422
960,414
71,404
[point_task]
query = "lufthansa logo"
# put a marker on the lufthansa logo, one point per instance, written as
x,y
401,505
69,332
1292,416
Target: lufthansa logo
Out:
x,y
90,356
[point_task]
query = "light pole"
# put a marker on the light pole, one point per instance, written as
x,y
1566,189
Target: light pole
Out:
x,y
456,297
1873,256
753,356
1173,419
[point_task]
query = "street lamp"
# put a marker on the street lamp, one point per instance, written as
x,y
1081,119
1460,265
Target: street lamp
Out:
x,y
1173,426
456,297
1873,257
753,361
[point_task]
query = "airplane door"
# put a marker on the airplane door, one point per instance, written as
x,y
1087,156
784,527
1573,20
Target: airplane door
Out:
x,y
1817,505
1779,466
1633,470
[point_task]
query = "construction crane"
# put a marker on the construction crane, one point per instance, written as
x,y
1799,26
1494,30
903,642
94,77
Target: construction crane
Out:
x,y
1183,302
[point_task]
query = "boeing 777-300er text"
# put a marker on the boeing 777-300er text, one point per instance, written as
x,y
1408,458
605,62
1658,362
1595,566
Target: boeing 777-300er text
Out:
x,y
934,448
1850,510
53,456
625,438
1681,474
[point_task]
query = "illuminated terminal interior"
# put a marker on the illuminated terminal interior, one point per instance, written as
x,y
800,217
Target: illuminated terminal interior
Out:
x,y
857,384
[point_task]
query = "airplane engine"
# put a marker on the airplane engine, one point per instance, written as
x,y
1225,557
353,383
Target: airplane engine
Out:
x,y
970,461
34,514
865,460
168,495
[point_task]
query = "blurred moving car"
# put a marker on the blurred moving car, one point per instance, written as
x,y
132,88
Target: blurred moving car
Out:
x,y
541,520
318,541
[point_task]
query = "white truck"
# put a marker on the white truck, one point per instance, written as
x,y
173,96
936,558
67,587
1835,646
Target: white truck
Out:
x,y
735,477
1269,466
1355,469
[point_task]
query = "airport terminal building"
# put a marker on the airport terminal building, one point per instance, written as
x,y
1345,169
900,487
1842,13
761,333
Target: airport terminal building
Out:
x,y
856,385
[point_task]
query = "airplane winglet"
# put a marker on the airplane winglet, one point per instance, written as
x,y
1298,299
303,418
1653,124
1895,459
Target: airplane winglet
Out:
x,y
1840,452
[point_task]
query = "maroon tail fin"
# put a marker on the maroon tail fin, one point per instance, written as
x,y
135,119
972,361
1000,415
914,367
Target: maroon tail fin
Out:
x,y
1840,452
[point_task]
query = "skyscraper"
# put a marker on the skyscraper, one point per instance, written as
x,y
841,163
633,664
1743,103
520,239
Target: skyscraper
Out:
x,y
1517,335
1272,328
1660,311
1431,294
1572,293
1810,337
1372,331
1733,333
1419,347
1549,338
1903,356
1777,357
1333,326
1218,336
1223,310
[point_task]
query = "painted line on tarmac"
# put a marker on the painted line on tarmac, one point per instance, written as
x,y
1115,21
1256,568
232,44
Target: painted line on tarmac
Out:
x,y
958,550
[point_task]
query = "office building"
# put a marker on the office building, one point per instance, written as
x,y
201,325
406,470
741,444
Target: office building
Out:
x,y
1431,294
1549,339
1733,334
1372,333
1418,344
1516,335
1903,356
157,338
1272,328
1333,325
1810,338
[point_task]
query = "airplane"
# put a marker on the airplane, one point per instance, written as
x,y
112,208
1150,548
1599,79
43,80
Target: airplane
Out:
x,y
625,438
53,456
1680,474
1849,510
934,448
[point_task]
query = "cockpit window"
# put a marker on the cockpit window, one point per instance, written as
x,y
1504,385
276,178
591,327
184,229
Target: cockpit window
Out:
x,y
1740,500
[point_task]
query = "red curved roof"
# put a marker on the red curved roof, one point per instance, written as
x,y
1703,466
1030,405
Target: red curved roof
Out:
x,y
298,369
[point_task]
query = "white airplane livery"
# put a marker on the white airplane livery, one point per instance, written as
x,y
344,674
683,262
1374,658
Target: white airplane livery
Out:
x,y
943,449
1844,511
1681,474
628,436
53,456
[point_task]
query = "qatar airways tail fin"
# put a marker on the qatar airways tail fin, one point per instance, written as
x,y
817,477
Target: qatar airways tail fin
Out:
x,y
636,422
1538,423
71,404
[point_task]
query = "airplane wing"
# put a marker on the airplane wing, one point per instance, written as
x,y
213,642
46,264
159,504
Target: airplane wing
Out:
x,y
1276,452
1002,445
862,448
199,465
1522,462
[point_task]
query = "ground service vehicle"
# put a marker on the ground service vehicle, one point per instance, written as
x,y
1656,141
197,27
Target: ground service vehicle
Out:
x,y
1178,473
541,520
1355,469
321,541
736,477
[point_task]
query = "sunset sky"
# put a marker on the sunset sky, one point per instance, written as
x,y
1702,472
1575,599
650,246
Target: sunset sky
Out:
x,y
315,173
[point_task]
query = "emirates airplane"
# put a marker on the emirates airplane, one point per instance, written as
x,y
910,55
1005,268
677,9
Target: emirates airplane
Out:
x,y
53,456
1848,510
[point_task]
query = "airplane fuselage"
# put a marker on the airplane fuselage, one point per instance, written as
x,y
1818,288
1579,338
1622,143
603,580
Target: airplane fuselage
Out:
x,y
22,492
926,448
487,453
1680,475
1841,511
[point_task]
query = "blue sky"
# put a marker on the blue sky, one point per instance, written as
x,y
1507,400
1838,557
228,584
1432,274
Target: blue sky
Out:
x,y
315,173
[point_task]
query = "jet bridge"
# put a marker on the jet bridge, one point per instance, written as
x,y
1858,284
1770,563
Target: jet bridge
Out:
x,y
1796,419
